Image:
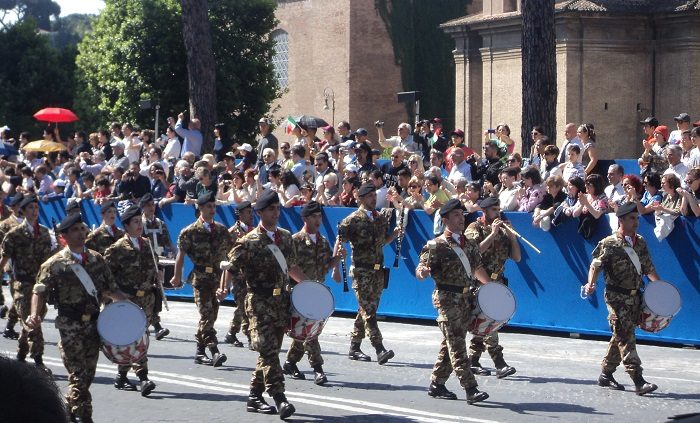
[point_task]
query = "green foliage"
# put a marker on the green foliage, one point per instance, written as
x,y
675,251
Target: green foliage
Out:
x,y
40,10
69,30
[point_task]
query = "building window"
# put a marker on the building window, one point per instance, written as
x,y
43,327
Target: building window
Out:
x,y
280,58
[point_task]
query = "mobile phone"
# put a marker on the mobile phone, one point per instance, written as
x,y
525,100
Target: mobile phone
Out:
x,y
491,131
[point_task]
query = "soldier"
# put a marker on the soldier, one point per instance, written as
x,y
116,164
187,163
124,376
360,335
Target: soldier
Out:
x,y
157,232
133,260
454,262
243,225
206,243
78,303
27,245
366,230
624,258
5,226
496,245
315,258
108,233
267,258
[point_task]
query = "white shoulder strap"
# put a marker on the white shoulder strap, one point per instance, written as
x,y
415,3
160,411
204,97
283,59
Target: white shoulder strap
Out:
x,y
85,279
278,256
635,258
463,258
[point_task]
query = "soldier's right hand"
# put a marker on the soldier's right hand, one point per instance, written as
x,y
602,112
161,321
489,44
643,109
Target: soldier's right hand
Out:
x,y
497,223
33,321
176,283
221,294
422,271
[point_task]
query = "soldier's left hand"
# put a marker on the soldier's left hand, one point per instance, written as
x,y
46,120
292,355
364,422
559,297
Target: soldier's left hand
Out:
x,y
33,321
396,231
221,294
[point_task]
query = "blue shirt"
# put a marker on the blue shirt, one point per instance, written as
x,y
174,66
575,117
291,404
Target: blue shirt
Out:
x,y
192,139
648,198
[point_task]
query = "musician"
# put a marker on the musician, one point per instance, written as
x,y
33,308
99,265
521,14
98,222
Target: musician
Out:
x,y
315,258
624,258
157,232
133,261
107,233
454,261
6,225
205,242
239,322
78,310
28,245
267,258
367,231
496,245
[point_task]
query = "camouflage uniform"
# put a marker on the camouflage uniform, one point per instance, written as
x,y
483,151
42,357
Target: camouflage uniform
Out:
x,y
206,249
5,226
657,161
367,239
623,308
314,258
267,302
451,299
239,322
157,229
77,319
100,239
494,261
27,248
136,275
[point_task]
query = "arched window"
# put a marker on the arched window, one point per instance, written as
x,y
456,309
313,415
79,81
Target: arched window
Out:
x,y
280,58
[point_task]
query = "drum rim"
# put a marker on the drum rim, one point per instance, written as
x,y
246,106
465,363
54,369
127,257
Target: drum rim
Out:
x,y
663,283
123,303
506,288
315,284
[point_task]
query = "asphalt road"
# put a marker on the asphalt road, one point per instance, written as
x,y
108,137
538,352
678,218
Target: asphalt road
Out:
x,y
555,380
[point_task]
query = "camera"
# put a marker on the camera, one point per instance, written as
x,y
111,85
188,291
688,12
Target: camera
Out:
x,y
491,131
379,124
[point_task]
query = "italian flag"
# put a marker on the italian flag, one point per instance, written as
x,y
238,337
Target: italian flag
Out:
x,y
435,136
290,125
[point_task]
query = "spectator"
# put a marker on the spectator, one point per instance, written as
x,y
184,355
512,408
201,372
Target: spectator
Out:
x,y
403,139
154,156
695,152
514,160
115,132
377,179
571,140
589,153
225,189
675,165
392,168
682,124
132,143
457,137
688,149
266,140
415,165
184,185
300,164
286,161
509,189
322,167
89,183
289,186
205,184
361,136
415,198
235,188
159,184
424,138
565,211
437,196
59,190
329,138
192,136
652,194
592,205
103,143
690,204
133,185
615,191
671,202
460,168
305,195
550,166
43,181
173,147
446,184
555,197
250,157
530,195
348,194
437,159
269,162
344,133
363,158
573,168
82,144
654,158
436,136
251,184
119,159
72,187
328,194
222,142
633,187
351,171
502,135
488,168
539,142
94,165
103,190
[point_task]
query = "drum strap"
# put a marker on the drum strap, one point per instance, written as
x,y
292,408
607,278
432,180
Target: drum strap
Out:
x,y
463,258
85,279
279,257
635,259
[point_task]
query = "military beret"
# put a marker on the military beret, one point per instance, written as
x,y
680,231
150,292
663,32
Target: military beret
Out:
x,y
69,221
16,199
27,200
107,205
489,202
366,188
268,198
243,205
72,207
205,198
310,208
453,204
130,212
145,199
626,209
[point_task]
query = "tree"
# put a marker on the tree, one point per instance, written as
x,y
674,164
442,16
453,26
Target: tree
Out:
x,y
539,70
40,10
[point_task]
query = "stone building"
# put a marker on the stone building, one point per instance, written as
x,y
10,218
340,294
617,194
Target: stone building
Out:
x,y
618,61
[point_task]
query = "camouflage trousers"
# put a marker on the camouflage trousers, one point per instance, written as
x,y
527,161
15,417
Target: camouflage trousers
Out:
x,y
147,303
240,319
623,314
368,286
12,316
208,307
453,354
80,349
489,343
30,340
312,349
268,318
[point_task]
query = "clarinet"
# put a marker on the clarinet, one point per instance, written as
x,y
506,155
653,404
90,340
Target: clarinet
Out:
x,y
399,238
342,263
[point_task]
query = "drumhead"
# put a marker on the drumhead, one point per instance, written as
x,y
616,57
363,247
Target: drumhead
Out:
x,y
662,298
496,301
121,323
313,300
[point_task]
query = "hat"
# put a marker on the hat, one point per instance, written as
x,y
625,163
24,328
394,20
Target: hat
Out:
x,y
651,121
376,152
205,198
263,120
59,183
230,154
361,131
243,205
362,146
107,205
453,204
366,188
626,209
683,117
16,199
333,149
436,120
69,221
310,208
328,128
147,198
73,207
663,130
457,132
27,200
246,147
489,202
130,212
351,168
307,186
117,144
267,199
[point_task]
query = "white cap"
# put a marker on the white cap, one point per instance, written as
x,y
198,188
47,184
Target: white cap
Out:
x,y
59,183
5,128
351,168
247,147
118,144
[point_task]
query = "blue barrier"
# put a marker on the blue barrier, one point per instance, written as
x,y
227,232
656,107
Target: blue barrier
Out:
x,y
546,286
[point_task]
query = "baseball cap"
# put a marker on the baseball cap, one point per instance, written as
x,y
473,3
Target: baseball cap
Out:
x,y
651,121
683,117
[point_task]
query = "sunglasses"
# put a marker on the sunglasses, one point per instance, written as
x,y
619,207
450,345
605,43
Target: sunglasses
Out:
x,y
511,161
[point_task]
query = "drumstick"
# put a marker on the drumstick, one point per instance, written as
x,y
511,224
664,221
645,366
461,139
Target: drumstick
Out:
x,y
160,283
522,238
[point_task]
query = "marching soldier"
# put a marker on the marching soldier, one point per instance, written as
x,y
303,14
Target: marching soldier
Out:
x,y
6,225
454,262
157,232
78,303
133,260
205,242
367,231
243,225
624,258
107,234
267,258
496,245
27,245
315,258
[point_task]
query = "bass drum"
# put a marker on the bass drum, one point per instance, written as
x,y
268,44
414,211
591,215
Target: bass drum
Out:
x,y
494,306
122,327
660,303
312,303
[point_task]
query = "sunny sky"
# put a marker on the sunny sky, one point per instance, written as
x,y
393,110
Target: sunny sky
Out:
x,y
80,6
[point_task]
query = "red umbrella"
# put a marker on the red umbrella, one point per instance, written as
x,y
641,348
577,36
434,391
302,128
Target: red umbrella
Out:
x,y
55,115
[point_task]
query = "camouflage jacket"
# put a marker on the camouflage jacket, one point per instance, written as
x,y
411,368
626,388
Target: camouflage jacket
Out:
x,y
100,239
617,265
133,268
259,266
206,249
656,159
366,237
237,232
494,259
157,228
5,226
314,258
26,250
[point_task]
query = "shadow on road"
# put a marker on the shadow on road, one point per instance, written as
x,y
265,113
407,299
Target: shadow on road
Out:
x,y
375,386
159,395
546,407
565,380
300,417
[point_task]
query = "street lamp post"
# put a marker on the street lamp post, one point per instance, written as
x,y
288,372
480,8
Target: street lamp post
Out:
x,y
329,95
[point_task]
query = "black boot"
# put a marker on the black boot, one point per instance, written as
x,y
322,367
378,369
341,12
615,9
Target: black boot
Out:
x,y
200,356
147,386
217,358
642,386
283,406
474,395
3,311
10,332
383,355
39,361
606,379
438,390
123,383
21,356
502,368
356,354
160,331
291,369
231,338
256,404
319,375
476,367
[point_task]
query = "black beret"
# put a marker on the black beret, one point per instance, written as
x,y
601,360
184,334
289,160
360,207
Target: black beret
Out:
x,y
489,202
27,200
310,208
205,198
243,205
16,199
72,207
626,209
107,205
145,199
69,221
366,188
453,204
130,212
267,199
